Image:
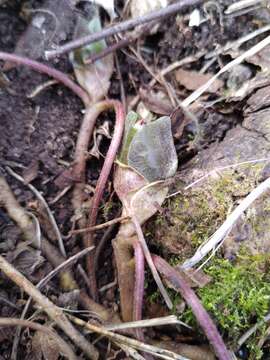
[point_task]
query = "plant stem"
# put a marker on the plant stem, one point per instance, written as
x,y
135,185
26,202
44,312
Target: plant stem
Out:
x,y
103,177
100,226
123,26
193,301
45,69
149,260
138,288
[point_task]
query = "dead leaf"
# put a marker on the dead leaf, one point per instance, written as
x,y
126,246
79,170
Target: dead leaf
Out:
x,y
140,8
107,5
94,78
69,300
156,102
31,172
25,259
192,80
45,347
261,59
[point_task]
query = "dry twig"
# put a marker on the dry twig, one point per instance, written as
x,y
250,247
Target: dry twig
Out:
x,y
121,27
45,206
55,313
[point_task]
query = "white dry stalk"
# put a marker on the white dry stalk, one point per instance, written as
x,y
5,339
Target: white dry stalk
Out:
x,y
215,171
46,207
133,343
250,52
252,330
166,320
226,227
131,352
242,4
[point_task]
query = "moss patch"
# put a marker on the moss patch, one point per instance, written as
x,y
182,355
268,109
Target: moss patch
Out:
x,y
193,216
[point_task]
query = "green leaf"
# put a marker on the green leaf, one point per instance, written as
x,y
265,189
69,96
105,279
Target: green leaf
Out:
x,y
152,152
130,131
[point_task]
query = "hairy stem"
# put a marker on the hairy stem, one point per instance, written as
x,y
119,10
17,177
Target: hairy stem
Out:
x,y
193,301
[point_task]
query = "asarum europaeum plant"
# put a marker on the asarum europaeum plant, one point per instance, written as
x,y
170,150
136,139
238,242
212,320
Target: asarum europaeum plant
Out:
x,y
146,160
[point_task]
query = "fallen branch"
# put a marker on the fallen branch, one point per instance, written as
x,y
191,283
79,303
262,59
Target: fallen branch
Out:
x,y
45,206
205,321
117,338
54,312
121,27
65,348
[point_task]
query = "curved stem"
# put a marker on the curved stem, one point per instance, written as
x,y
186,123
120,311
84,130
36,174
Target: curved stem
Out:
x,y
193,301
102,180
45,69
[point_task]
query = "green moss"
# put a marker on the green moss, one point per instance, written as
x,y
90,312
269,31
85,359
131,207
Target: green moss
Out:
x,y
237,297
194,215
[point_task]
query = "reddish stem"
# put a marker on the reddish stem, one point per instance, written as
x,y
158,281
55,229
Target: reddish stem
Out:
x,y
139,287
45,69
193,301
103,177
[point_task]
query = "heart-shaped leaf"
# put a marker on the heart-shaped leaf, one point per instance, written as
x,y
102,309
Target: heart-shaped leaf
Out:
x,y
152,152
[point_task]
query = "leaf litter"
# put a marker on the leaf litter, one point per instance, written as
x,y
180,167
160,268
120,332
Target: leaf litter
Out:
x,y
225,125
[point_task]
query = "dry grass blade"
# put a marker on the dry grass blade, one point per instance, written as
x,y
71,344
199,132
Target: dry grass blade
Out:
x,y
70,261
66,349
216,171
250,52
166,320
117,338
46,207
225,228
251,331
203,318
